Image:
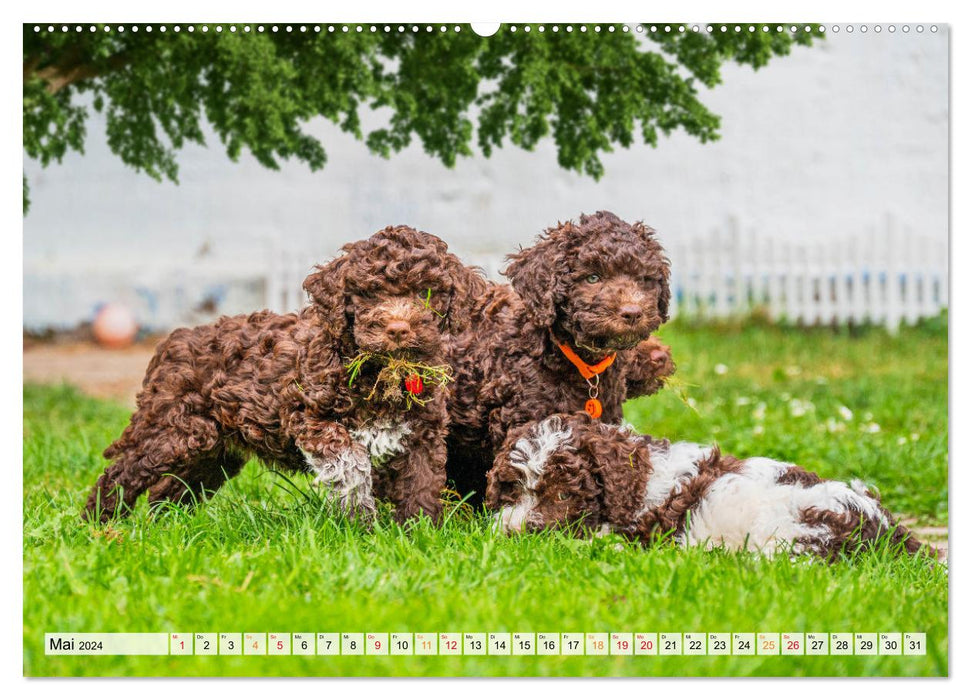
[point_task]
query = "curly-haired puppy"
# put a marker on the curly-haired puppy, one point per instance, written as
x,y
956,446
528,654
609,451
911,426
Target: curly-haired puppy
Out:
x,y
594,291
570,470
276,387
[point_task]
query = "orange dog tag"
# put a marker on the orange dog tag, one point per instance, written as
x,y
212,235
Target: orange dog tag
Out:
x,y
594,408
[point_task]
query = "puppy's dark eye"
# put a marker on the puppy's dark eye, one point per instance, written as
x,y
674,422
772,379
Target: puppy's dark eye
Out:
x,y
592,279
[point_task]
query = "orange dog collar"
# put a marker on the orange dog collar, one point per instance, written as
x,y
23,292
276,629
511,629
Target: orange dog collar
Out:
x,y
592,374
588,371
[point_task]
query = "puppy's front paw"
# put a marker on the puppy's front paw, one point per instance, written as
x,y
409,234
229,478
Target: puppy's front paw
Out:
x,y
659,358
651,365
347,475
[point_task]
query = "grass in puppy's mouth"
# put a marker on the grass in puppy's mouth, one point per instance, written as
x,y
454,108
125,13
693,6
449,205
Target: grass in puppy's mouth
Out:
x,y
395,369
625,342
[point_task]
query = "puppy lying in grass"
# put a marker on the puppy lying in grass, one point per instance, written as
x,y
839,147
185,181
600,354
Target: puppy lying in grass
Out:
x,y
570,469
349,389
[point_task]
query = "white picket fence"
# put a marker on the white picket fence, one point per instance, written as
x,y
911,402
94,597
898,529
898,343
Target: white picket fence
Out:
x,y
886,275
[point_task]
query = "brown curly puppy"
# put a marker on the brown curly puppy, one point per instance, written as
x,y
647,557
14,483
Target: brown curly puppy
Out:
x,y
570,469
276,386
595,291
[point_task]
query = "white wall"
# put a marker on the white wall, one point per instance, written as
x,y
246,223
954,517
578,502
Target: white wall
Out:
x,y
831,140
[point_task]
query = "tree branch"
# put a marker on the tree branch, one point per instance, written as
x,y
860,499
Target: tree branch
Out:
x,y
59,75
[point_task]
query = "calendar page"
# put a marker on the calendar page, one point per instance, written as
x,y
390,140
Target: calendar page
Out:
x,y
485,350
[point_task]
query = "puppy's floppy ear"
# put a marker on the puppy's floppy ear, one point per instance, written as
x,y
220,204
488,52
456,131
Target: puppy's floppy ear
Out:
x,y
504,482
621,466
532,273
326,290
468,285
664,294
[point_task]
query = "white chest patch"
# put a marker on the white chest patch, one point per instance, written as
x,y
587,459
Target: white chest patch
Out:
x,y
382,440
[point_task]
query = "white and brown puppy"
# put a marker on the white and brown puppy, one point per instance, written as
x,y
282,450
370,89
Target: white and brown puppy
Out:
x,y
571,469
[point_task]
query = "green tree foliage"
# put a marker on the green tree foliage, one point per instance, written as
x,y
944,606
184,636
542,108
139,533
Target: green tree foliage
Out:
x,y
589,89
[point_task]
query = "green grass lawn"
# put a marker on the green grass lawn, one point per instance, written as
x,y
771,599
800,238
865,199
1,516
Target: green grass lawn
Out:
x,y
260,557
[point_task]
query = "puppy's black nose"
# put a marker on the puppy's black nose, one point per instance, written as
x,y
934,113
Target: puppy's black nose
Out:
x,y
398,330
630,313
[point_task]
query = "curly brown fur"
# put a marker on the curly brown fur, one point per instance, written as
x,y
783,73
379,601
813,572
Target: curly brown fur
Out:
x,y
276,387
601,286
570,469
